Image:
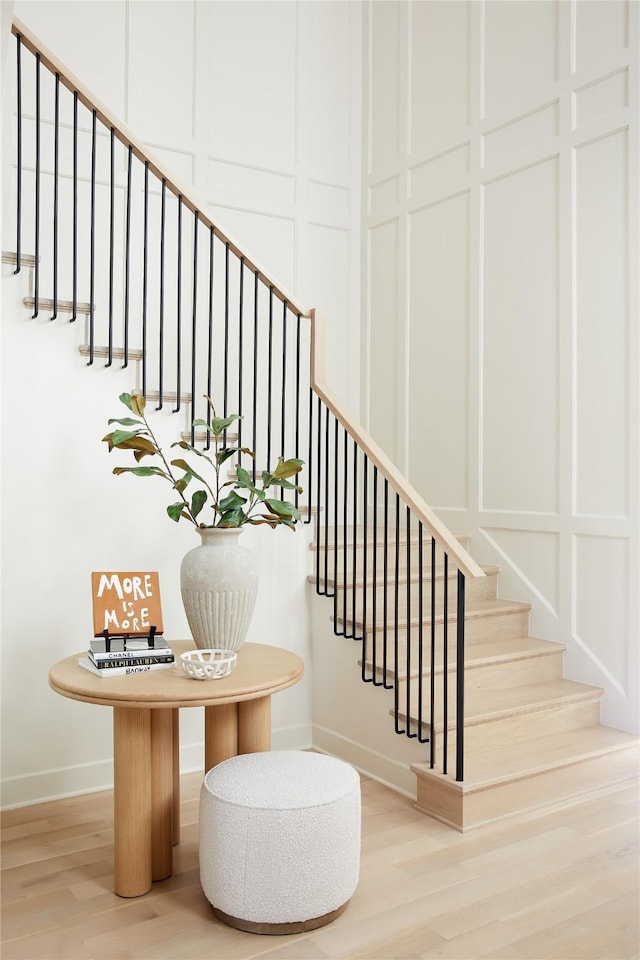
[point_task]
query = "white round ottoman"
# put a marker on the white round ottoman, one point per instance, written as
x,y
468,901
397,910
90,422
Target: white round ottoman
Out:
x,y
280,840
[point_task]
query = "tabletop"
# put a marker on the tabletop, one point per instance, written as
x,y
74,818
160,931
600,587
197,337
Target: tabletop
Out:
x,y
260,671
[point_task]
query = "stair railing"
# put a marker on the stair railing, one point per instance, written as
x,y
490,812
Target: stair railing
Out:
x,y
124,231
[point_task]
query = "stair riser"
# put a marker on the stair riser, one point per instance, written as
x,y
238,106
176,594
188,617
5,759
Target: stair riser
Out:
x,y
557,786
513,673
347,557
476,590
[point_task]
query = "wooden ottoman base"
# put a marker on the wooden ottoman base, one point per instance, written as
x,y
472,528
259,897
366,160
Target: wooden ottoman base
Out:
x,y
280,929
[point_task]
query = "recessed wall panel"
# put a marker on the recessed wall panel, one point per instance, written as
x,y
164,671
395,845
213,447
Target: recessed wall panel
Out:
x,y
271,240
328,204
436,172
257,125
520,133
601,613
438,351
385,72
329,291
439,80
520,51
520,334
325,41
383,195
602,28
249,185
161,79
602,332
602,97
383,320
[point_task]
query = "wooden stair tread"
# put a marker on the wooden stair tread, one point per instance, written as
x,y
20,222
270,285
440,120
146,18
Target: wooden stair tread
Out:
x,y
462,538
508,763
26,259
117,353
64,306
168,396
474,609
482,653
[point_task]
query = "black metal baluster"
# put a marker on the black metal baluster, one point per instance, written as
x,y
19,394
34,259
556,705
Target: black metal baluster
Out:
x,y
255,373
225,382
163,193
421,737
445,666
56,152
335,528
210,330
310,464
345,548
409,625
385,599
354,552
36,271
18,153
179,309
92,241
240,351
319,481
74,279
145,242
297,415
374,595
365,547
326,502
112,192
460,680
432,691
283,407
127,260
194,314
269,385
396,618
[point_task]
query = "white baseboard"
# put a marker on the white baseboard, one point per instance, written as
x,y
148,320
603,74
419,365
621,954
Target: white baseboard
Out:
x,y
383,769
92,777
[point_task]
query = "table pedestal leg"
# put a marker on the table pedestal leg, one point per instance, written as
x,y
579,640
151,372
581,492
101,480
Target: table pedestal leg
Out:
x,y
132,800
254,725
162,793
220,733
175,713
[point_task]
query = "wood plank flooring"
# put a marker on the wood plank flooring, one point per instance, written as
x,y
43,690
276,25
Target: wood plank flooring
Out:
x,y
561,885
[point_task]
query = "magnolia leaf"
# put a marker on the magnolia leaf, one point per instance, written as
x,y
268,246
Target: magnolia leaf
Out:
x,y
283,509
138,404
201,423
183,465
220,424
243,477
287,468
142,471
223,455
232,518
126,399
126,422
175,511
121,436
285,484
182,484
271,522
198,501
232,501
267,479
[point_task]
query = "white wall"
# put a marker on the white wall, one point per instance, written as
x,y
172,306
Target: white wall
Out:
x,y
257,106
501,347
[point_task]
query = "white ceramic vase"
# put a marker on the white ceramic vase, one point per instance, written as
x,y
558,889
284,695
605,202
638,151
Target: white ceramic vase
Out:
x,y
219,583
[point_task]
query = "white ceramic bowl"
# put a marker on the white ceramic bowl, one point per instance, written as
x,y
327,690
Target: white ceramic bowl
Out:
x,y
208,664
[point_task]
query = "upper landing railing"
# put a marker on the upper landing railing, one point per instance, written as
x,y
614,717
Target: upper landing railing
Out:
x,y
158,281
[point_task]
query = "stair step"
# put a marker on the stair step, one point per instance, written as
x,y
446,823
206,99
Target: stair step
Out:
x,y
201,437
117,353
482,620
332,534
414,578
485,588
64,306
549,771
26,259
168,396
491,654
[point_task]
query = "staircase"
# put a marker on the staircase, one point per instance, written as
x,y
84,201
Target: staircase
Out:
x,y
502,732
533,740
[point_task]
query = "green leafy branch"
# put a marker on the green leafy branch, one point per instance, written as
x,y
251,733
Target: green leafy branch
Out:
x,y
235,501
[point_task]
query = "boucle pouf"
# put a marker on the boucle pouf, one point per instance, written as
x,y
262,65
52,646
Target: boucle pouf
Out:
x,y
280,840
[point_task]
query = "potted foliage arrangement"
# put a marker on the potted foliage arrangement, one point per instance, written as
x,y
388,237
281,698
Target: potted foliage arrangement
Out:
x,y
218,578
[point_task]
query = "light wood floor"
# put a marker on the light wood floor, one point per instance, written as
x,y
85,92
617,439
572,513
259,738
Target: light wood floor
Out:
x,y
560,885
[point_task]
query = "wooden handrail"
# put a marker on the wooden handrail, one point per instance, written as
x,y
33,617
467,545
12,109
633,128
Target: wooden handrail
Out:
x,y
398,482
145,155
400,485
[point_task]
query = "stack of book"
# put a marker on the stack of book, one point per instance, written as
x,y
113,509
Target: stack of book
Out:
x,y
124,656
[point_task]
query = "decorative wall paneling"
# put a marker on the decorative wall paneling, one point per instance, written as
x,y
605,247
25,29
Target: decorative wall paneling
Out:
x,y
501,230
